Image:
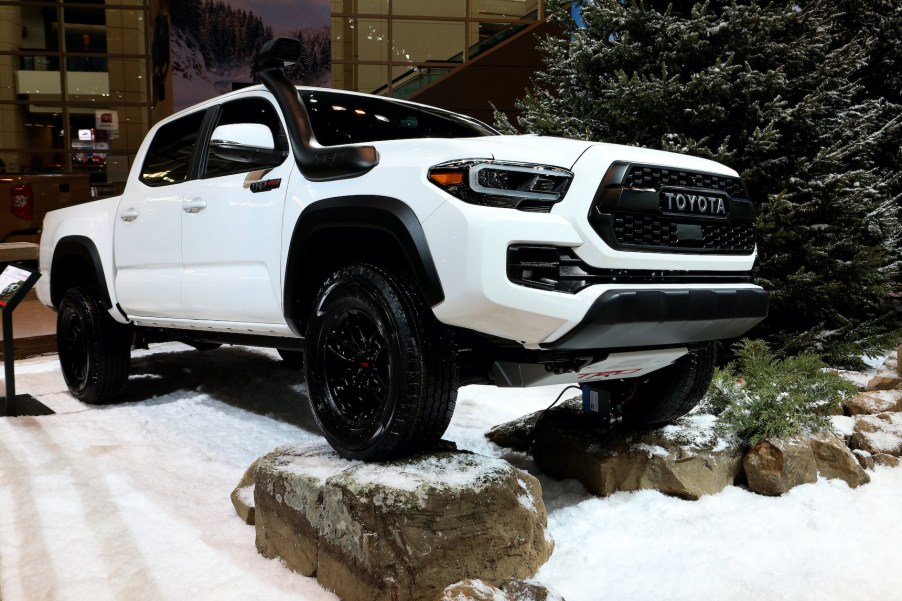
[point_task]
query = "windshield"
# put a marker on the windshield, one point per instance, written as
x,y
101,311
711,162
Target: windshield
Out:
x,y
339,118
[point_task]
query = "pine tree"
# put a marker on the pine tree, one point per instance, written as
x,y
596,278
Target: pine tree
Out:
x,y
784,93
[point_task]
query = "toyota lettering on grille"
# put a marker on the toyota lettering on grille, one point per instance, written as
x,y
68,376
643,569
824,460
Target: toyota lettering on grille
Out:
x,y
710,204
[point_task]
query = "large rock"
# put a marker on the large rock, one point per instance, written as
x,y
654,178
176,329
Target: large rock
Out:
x,y
878,434
401,530
833,459
872,403
687,459
772,467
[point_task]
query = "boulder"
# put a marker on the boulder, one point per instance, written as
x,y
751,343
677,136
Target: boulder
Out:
x,y
887,460
529,590
687,459
878,434
772,467
400,530
511,590
887,376
243,495
872,403
898,355
472,590
834,460
516,434
865,459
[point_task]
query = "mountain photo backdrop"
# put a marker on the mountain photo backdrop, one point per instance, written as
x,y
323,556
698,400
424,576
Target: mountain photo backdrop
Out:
x,y
214,43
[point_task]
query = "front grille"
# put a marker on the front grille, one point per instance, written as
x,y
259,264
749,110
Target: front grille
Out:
x,y
661,232
561,270
630,212
641,176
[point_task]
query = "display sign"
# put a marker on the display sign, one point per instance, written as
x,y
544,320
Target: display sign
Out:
x,y
85,135
15,282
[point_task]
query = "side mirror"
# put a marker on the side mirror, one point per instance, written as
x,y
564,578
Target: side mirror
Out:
x,y
246,143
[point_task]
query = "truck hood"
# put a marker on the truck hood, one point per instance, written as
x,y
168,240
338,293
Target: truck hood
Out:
x,y
543,150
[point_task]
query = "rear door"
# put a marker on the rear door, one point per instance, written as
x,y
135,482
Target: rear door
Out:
x,y
232,224
148,230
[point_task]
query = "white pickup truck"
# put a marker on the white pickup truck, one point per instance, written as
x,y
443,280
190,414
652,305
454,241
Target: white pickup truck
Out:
x,y
401,251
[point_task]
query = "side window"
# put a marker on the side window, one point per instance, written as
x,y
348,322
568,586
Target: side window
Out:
x,y
168,159
246,110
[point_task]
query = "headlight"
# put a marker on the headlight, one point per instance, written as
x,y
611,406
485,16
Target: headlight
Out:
x,y
507,185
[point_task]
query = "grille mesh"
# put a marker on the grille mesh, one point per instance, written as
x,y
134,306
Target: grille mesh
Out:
x,y
640,176
661,232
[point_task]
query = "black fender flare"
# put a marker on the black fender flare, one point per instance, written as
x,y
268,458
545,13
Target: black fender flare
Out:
x,y
381,213
85,248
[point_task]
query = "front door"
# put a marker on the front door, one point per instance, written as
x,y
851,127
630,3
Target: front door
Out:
x,y
231,228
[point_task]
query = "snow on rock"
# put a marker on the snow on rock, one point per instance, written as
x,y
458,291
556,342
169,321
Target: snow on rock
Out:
x,y
243,495
510,590
402,529
878,434
872,403
887,376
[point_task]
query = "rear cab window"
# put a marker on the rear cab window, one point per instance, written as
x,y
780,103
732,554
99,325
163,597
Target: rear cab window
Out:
x,y
171,152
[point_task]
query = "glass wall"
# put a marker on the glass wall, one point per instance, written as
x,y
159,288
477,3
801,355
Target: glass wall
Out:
x,y
397,47
75,88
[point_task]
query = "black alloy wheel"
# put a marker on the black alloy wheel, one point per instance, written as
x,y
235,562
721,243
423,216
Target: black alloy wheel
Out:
x,y
358,366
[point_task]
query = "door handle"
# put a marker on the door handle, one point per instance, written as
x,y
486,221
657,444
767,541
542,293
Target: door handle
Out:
x,y
130,215
195,205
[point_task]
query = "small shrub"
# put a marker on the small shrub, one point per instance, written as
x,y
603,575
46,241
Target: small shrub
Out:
x,y
760,397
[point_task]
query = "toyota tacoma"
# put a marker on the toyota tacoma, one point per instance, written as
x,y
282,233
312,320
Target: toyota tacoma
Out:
x,y
398,251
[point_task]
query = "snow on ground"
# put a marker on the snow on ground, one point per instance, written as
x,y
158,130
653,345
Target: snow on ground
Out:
x,y
131,501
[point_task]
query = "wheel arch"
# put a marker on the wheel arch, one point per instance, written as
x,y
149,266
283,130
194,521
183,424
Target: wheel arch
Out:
x,y
76,262
385,227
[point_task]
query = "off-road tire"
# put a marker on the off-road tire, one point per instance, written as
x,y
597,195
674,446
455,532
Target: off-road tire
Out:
x,y
395,393
671,392
94,349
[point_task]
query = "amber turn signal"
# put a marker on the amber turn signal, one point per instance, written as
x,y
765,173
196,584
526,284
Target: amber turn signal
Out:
x,y
447,178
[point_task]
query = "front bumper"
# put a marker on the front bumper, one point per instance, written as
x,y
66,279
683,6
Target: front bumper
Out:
x,y
649,317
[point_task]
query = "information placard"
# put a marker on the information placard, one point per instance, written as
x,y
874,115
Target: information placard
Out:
x,y
15,282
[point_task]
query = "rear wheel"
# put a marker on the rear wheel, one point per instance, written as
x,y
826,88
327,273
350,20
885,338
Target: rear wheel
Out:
x,y
671,392
381,371
94,349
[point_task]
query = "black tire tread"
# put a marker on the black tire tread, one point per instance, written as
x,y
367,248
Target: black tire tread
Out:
x,y
109,345
673,391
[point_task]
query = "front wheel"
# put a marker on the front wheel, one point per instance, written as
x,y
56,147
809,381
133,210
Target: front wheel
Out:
x,y
381,371
94,349
671,392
